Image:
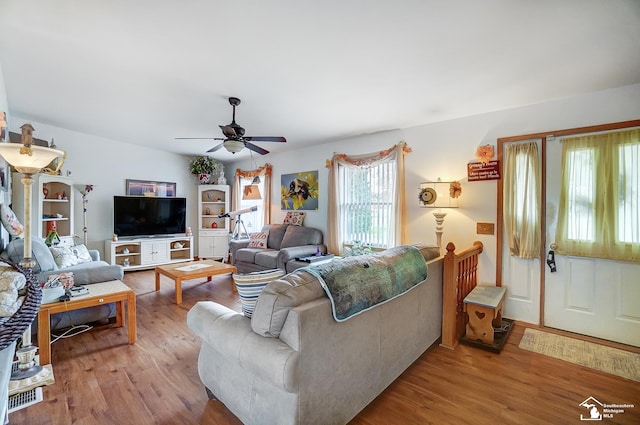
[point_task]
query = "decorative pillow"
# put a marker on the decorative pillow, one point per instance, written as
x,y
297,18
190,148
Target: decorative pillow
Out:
x,y
82,253
251,285
294,217
11,281
39,252
11,223
63,256
258,240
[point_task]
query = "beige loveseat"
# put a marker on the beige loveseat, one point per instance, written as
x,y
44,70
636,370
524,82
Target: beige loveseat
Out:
x,y
292,363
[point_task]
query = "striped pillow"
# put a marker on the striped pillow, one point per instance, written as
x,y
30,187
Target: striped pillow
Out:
x,y
251,285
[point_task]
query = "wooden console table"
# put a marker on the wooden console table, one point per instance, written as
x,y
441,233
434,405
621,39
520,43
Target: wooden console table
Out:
x,y
99,293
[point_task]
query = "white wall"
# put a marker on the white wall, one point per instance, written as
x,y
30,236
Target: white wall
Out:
x,y
4,195
107,164
443,150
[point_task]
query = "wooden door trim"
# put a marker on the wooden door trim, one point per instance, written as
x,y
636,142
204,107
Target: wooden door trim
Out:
x,y
543,136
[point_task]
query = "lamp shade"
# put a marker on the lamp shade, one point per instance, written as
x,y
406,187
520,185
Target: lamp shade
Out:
x,y
28,160
251,191
439,194
233,146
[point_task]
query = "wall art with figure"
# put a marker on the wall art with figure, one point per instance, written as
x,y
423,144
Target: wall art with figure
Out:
x,y
299,191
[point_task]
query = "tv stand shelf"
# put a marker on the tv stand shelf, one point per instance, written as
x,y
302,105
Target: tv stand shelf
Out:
x,y
146,253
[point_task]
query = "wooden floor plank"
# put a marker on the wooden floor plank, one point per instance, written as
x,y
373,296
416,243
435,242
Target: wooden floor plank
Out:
x,y
100,379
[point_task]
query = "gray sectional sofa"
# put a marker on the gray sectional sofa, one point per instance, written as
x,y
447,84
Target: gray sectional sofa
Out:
x,y
83,274
285,243
292,363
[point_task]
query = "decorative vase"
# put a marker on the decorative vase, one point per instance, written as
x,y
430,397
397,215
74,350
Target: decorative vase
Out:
x,y
222,179
45,191
204,178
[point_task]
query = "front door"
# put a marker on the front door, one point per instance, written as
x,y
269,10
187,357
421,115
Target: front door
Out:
x,y
589,296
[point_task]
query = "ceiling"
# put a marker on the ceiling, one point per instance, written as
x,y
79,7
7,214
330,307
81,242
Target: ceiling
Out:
x,y
146,71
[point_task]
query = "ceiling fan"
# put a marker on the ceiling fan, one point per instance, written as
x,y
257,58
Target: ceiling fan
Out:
x,y
234,139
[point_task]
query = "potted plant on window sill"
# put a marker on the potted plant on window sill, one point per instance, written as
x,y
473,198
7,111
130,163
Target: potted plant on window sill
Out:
x,y
203,166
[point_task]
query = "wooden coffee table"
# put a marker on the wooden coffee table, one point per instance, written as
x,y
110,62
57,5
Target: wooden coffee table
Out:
x,y
99,293
192,270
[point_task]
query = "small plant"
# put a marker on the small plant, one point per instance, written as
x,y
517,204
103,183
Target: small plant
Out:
x,y
358,248
202,165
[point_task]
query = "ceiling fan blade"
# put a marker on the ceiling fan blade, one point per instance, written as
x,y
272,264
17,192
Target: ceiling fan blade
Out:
x,y
198,138
229,131
265,139
255,148
215,148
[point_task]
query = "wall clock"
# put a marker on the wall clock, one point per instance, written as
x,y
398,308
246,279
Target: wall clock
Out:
x,y
428,196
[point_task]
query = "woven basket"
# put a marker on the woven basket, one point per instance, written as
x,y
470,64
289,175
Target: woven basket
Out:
x,y
13,328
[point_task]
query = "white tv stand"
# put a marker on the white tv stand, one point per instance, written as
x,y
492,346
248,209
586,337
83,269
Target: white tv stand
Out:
x,y
146,253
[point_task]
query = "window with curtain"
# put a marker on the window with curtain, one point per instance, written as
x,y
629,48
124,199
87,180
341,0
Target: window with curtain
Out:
x,y
366,204
599,208
521,199
255,220
367,199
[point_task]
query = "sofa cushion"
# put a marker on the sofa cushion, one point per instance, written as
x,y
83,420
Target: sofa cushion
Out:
x,y
298,236
251,285
267,259
276,233
280,296
39,253
87,273
248,255
258,240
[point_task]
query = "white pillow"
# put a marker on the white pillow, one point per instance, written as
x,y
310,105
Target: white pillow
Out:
x,y
11,222
82,254
63,256
258,240
70,256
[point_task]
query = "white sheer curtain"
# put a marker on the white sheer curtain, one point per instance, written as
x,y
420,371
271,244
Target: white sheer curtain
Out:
x,y
521,199
395,153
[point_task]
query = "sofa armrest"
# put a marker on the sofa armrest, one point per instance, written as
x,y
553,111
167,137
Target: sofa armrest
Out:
x,y
230,334
287,254
236,244
95,254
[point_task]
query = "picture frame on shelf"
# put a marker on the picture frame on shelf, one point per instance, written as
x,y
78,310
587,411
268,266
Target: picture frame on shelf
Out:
x,y
150,188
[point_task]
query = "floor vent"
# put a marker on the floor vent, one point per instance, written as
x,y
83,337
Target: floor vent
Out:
x,y
25,399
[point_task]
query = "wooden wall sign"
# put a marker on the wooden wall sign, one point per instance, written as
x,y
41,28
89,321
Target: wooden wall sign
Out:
x,y
477,171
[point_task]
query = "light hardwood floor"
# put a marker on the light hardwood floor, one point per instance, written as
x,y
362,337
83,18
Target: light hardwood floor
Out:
x,y
102,380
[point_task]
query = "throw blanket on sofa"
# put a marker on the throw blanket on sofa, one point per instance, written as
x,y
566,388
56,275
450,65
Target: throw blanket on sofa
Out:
x,y
356,284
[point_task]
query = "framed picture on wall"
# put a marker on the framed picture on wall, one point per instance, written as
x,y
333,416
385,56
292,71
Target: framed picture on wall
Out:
x,y
150,188
299,191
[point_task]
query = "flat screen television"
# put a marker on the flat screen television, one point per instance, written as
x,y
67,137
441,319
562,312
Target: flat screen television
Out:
x,y
144,216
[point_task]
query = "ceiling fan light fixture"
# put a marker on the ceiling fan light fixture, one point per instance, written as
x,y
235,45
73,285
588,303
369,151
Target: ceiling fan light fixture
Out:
x,y
233,146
